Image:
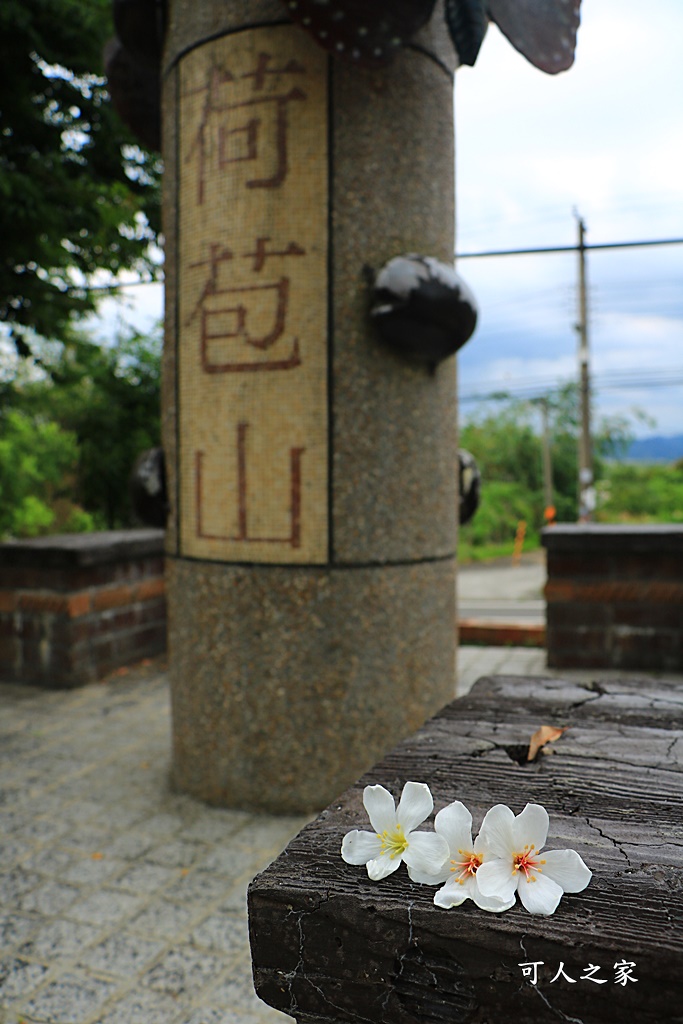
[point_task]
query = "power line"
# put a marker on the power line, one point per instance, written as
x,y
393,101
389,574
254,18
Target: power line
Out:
x,y
569,248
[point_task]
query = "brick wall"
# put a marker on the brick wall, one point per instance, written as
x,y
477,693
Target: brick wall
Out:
x,y
77,606
614,596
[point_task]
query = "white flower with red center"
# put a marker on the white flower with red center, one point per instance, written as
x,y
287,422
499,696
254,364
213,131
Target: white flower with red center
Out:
x,y
394,838
460,871
514,862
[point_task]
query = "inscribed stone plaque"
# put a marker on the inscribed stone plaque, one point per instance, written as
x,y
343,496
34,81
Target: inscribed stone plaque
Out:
x,y
253,295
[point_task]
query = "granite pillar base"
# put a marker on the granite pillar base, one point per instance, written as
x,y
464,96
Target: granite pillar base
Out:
x,y
288,684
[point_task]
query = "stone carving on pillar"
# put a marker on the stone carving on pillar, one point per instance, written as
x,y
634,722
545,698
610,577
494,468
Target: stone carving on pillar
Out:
x,y
312,471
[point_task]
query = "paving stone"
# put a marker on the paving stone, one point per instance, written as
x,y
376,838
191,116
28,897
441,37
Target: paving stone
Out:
x,y
18,978
147,878
121,954
42,830
236,900
105,907
81,811
87,838
236,991
232,861
224,932
95,869
50,898
199,887
141,1007
15,883
10,852
71,999
183,972
131,845
58,939
15,929
216,826
49,861
164,918
177,854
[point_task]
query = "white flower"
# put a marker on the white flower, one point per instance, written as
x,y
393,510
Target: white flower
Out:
x,y
459,872
394,839
515,864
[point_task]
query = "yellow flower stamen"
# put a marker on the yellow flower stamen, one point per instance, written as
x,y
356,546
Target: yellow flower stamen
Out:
x,y
527,861
394,841
468,866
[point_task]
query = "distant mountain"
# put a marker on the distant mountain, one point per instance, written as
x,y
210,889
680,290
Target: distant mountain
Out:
x,y
656,449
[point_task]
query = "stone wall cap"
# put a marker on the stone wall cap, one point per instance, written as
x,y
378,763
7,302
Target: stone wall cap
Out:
x,y
71,550
622,536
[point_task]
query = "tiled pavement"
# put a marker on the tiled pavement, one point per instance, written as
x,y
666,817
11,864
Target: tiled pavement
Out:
x,y
121,902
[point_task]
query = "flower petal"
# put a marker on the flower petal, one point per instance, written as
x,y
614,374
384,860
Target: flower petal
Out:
x,y
490,903
567,869
430,877
382,866
452,894
496,878
426,854
415,805
360,847
454,823
496,832
379,803
540,896
531,827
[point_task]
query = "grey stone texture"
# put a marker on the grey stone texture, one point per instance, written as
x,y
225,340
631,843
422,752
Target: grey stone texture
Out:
x,y
290,681
176,954
121,903
276,717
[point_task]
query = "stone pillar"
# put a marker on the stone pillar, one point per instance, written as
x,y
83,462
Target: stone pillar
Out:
x,y
312,471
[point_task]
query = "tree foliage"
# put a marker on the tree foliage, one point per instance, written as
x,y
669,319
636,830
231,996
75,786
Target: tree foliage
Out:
x,y
507,444
99,408
77,195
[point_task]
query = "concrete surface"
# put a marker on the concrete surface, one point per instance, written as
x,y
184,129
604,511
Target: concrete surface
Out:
x,y
501,591
120,901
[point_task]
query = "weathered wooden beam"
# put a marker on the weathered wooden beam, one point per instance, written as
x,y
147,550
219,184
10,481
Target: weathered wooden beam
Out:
x,y
330,945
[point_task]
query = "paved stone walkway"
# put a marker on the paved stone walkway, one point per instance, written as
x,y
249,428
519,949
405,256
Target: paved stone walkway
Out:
x,y
121,902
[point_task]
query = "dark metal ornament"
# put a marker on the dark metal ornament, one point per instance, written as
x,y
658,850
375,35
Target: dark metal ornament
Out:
x,y
469,481
467,24
365,32
422,308
147,488
544,31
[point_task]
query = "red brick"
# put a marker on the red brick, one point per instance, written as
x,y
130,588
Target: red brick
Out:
x,y
50,603
498,634
150,588
78,604
584,638
112,597
611,591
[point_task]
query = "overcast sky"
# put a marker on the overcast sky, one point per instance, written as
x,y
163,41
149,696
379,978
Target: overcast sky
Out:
x,y
605,138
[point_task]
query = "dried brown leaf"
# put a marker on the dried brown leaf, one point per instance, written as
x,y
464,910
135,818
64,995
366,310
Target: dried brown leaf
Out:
x,y
546,734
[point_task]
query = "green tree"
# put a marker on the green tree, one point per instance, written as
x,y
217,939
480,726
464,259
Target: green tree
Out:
x,y
508,448
37,462
77,194
107,399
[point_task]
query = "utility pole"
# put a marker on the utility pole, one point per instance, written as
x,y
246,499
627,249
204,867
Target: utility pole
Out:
x,y
549,508
586,488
